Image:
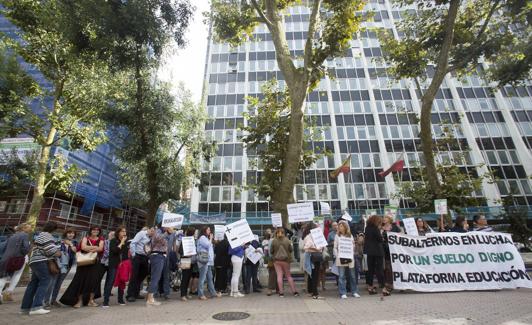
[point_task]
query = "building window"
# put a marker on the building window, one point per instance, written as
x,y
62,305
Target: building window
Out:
x,y
16,206
65,208
3,206
97,218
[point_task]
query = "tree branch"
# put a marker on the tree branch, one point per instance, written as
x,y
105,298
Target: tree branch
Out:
x,y
314,19
258,9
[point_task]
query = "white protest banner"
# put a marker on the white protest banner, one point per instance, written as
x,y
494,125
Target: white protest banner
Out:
x,y
456,261
189,245
410,226
219,232
325,208
300,212
277,220
238,233
347,217
172,220
440,206
318,238
345,247
253,255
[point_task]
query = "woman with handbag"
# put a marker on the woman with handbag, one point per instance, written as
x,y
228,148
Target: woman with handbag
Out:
x,y
373,246
42,264
315,255
66,260
84,285
206,263
186,265
14,258
346,271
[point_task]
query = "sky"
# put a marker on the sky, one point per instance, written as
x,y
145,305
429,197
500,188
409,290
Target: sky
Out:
x,y
188,64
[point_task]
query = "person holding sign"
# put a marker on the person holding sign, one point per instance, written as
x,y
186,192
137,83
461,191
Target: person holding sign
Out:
x,y
206,263
252,267
343,251
222,261
281,252
313,257
237,257
187,264
373,246
388,227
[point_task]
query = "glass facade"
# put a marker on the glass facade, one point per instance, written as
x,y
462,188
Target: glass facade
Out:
x,y
362,112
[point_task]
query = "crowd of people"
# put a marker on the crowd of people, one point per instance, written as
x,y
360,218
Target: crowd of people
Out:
x,y
153,260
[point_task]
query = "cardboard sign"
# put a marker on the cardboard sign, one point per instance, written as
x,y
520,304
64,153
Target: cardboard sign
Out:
x,y
253,255
325,208
277,220
347,217
440,206
345,247
371,212
318,238
219,232
189,246
300,212
410,226
238,233
172,220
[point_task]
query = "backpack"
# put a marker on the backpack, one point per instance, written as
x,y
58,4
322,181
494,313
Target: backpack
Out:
x,y
281,254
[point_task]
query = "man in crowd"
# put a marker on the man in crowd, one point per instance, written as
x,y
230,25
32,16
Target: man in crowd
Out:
x,y
139,263
480,223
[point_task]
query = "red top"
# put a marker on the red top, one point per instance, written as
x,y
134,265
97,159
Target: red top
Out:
x,y
93,242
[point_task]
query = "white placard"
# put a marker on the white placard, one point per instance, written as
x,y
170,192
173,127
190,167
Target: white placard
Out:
x,y
300,212
253,255
410,226
347,217
172,220
440,206
456,261
325,208
345,247
189,245
277,220
219,232
318,238
238,233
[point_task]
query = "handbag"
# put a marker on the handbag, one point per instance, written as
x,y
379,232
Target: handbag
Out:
x,y
316,257
186,263
14,264
203,257
83,259
53,268
345,260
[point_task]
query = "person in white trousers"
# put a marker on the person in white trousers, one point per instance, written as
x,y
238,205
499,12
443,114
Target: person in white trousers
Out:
x,y
237,258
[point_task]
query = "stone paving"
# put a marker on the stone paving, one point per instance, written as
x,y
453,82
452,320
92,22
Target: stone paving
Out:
x,y
509,307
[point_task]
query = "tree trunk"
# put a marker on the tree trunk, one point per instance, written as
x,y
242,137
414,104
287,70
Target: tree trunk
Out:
x,y
40,179
153,192
428,99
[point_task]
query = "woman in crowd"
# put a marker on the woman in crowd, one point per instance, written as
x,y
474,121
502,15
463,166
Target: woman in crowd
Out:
x,y
14,259
222,261
66,260
159,248
268,260
388,274
313,260
373,246
206,263
104,262
44,251
82,290
281,252
252,270
118,252
237,258
346,271
187,265
422,227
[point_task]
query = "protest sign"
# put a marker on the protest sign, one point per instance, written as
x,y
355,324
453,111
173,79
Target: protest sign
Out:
x,y
456,261
277,220
371,212
189,245
238,233
300,212
390,210
253,255
325,208
318,237
410,226
345,247
219,231
347,217
440,206
172,220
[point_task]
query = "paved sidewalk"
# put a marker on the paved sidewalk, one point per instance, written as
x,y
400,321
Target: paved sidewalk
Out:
x,y
510,307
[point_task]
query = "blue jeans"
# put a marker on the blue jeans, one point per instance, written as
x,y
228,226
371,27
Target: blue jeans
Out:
x,y
164,282
36,289
109,280
57,285
205,271
49,291
345,273
157,262
251,277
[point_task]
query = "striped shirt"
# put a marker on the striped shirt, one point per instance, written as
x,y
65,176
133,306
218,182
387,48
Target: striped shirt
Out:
x,y
44,248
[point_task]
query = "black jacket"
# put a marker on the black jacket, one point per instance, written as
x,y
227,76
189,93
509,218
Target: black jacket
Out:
x,y
117,254
373,241
221,254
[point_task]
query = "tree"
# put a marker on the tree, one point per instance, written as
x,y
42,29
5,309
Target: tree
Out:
x,y
169,126
332,25
80,87
453,36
